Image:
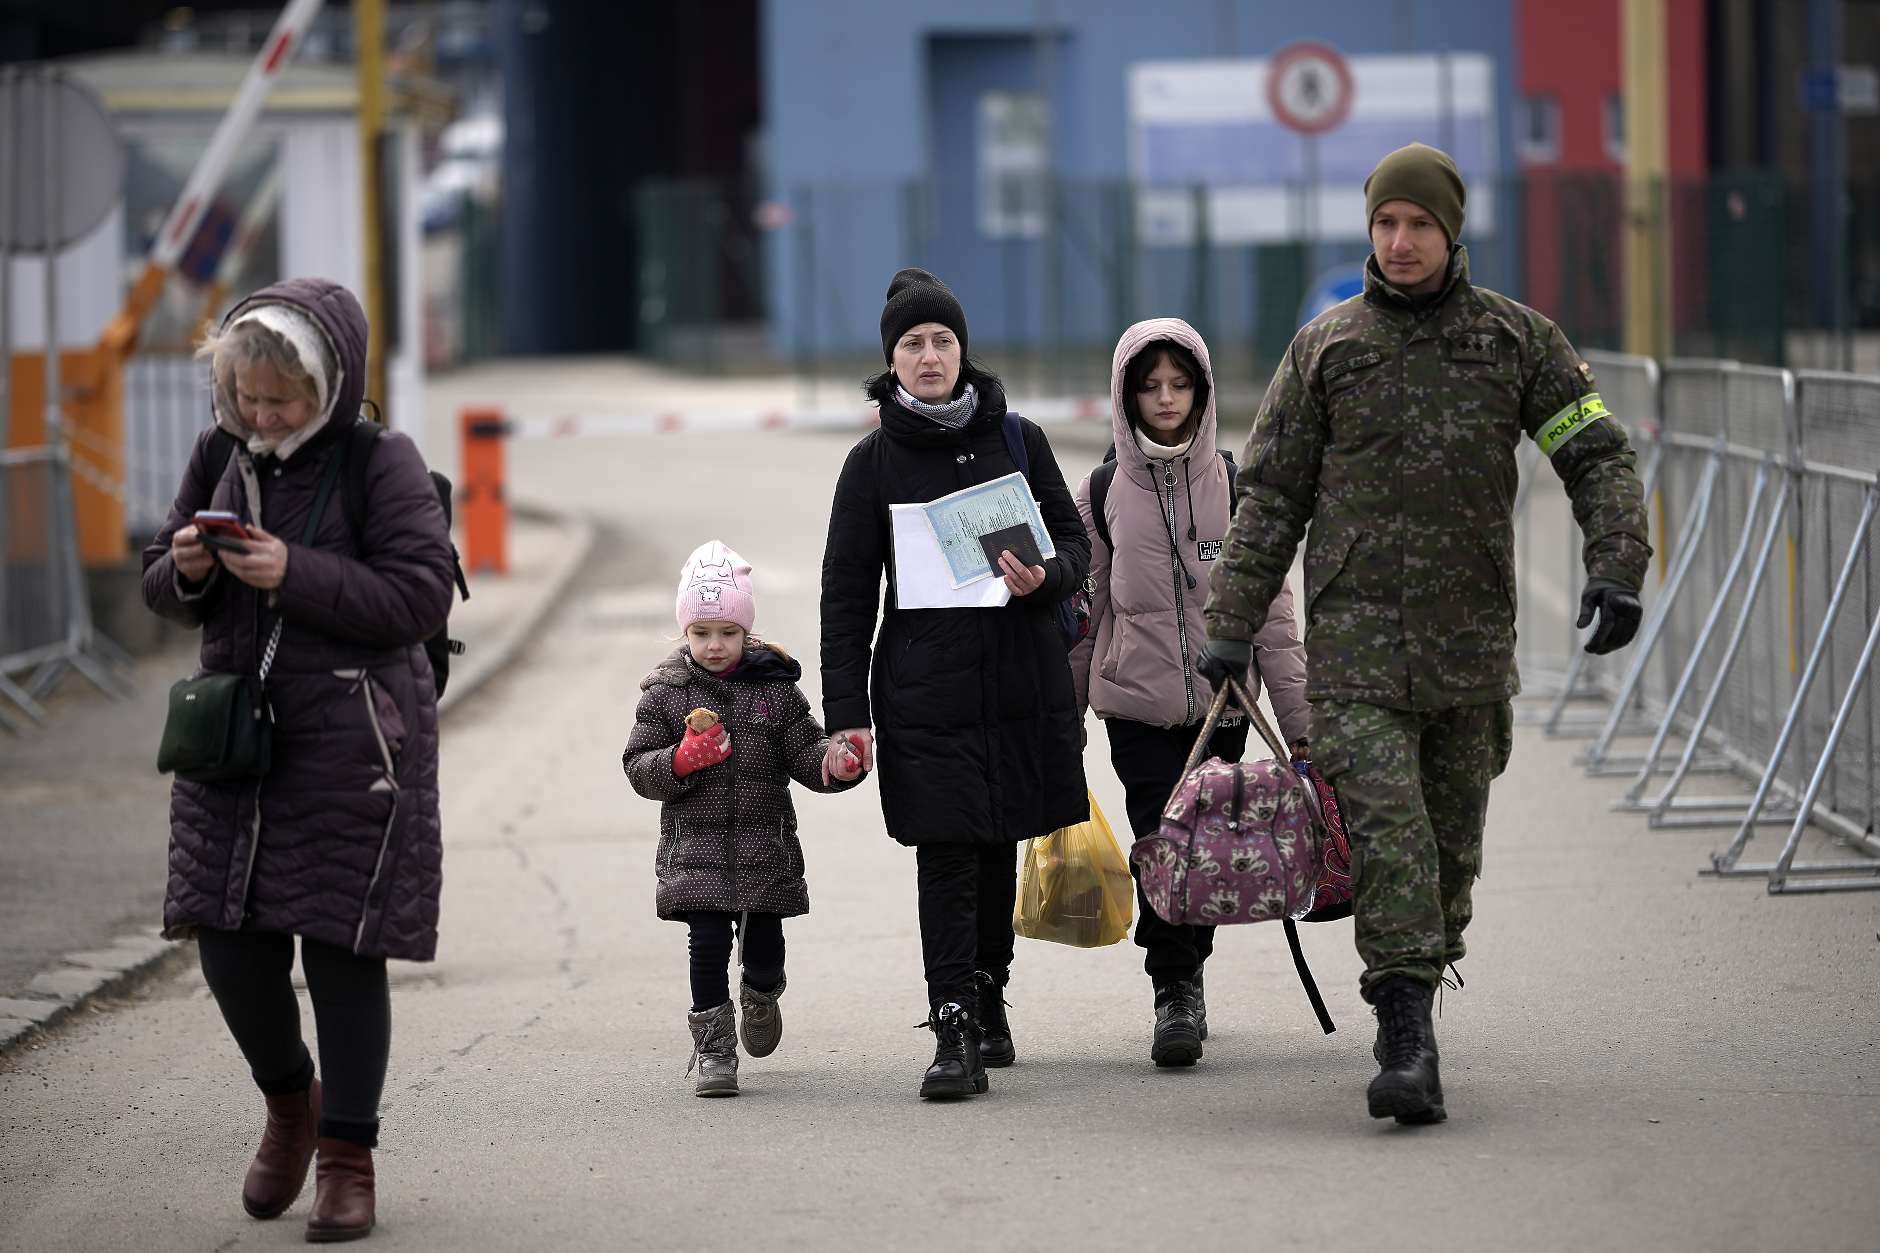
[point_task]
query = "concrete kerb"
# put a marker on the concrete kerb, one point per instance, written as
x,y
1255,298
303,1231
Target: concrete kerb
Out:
x,y
490,658
79,980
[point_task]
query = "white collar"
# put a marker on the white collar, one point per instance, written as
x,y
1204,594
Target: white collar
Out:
x,y
1161,452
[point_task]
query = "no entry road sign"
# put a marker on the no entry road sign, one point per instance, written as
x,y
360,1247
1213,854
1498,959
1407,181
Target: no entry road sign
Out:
x,y
1309,87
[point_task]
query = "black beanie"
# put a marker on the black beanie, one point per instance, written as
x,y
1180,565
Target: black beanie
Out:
x,y
915,296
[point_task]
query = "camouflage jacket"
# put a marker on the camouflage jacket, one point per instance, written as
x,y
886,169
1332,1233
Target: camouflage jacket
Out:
x,y
1393,435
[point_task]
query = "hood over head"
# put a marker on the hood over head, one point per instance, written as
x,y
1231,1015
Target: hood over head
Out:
x,y
1128,453
335,314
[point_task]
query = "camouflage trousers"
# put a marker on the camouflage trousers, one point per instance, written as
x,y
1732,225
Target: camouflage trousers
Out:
x,y
1413,789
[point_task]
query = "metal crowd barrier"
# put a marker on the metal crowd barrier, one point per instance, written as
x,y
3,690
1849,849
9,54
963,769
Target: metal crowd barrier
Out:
x,y
45,613
1762,614
1630,387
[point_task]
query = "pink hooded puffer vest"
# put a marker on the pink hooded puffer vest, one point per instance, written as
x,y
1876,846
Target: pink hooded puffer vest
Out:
x,y
1148,631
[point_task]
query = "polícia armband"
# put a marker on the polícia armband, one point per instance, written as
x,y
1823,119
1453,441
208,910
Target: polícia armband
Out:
x,y
1563,426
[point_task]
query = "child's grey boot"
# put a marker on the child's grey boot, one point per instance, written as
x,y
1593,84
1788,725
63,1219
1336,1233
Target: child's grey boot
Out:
x,y
762,1026
715,1050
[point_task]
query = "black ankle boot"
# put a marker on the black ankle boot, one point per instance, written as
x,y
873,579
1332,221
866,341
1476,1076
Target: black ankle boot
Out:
x,y
1177,1033
995,1034
957,1069
1408,1088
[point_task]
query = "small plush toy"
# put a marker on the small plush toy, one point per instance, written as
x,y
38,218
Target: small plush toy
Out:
x,y
701,720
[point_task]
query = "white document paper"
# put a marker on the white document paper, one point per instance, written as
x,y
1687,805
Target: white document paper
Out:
x,y
959,519
922,577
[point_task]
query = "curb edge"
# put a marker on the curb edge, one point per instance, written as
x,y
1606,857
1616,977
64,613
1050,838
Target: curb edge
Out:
x,y
146,955
497,655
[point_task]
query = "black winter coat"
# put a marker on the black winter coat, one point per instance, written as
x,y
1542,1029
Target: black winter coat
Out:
x,y
975,716
340,842
727,833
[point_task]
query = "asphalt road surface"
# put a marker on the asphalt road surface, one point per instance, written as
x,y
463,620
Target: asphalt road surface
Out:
x,y
1641,1059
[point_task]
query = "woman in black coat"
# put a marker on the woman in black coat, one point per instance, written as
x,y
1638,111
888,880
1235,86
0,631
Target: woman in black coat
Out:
x,y
975,711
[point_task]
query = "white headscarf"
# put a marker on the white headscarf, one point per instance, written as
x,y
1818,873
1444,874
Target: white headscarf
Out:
x,y
309,343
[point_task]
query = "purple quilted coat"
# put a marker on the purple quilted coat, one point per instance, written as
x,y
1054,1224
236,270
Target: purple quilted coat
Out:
x,y
340,842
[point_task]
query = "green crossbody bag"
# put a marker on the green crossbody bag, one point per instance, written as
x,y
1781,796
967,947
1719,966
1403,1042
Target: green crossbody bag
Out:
x,y
220,728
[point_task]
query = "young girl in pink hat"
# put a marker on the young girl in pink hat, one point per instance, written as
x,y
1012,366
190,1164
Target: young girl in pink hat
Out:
x,y
719,734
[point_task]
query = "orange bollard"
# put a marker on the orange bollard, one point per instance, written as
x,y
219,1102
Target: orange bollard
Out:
x,y
485,503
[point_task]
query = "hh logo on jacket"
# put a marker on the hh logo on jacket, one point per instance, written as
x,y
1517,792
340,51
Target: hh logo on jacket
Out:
x,y
1209,549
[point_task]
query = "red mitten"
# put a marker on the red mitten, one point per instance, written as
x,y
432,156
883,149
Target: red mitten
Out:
x,y
695,751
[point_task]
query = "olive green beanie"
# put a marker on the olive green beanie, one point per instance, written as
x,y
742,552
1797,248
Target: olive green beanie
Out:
x,y
1422,175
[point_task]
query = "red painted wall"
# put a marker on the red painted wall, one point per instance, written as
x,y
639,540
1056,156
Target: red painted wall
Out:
x,y
1572,52
1573,205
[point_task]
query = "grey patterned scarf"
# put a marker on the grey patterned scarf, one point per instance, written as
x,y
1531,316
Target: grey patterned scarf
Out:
x,y
952,415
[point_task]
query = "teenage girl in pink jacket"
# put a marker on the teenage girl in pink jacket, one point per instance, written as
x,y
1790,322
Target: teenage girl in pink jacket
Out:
x,y
1166,509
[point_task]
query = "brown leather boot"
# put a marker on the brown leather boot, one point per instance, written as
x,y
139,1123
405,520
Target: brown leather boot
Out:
x,y
280,1168
344,1192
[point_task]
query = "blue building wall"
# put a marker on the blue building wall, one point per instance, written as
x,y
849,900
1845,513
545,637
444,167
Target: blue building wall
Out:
x,y
862,99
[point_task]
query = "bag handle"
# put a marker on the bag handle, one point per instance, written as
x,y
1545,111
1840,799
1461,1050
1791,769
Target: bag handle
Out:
x,y
1234,688
1273,742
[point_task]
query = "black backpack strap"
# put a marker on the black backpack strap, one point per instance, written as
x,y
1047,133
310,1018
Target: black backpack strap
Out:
x,y
1233,487
221,448
1015,443
357,451
1100,480
1305,971
322,496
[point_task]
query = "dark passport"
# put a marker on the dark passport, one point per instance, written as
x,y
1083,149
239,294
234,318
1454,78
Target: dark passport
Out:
x,y
1016,539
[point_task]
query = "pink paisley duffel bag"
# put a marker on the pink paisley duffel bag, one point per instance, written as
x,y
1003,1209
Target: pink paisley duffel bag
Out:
x,y
1239,843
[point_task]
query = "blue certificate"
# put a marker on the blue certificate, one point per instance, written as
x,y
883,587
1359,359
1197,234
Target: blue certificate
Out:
x,y
957,522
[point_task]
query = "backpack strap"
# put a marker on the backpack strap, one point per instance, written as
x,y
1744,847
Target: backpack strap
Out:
x,y
321,497
360,441
221,449
1105,474
1015,443
1100,480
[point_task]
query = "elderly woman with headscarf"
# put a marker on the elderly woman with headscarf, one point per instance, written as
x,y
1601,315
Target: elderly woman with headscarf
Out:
x,y
336,841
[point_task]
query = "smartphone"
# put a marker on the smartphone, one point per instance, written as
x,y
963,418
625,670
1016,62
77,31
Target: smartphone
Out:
x,y
221,530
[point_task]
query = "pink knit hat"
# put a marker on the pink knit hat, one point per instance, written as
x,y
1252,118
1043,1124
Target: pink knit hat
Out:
x,y
715,586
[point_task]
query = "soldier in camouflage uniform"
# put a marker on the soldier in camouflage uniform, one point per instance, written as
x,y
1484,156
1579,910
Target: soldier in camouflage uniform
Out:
x,y
1391,429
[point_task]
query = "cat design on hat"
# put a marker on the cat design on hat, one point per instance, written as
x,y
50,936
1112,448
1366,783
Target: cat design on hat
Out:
x,y
715,586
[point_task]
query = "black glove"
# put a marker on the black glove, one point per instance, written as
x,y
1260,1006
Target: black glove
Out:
x,y
1619,613
1222,658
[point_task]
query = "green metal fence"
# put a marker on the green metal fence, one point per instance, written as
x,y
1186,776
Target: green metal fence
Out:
x,y
1047,291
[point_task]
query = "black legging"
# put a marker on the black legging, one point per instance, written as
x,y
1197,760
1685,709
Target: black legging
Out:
x,y
251,974
711,954
966,893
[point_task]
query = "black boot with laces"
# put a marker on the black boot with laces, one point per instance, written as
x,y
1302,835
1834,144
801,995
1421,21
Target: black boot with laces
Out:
x,y
1408,1088
1177,1028
957,1069
995,1033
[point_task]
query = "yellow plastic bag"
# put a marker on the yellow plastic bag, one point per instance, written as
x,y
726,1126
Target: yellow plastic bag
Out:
x,y
1075,886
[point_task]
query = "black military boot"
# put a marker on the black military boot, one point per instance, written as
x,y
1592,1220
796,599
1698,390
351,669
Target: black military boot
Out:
x,y
956,1069
1409,1088
1177,1034
995,1043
